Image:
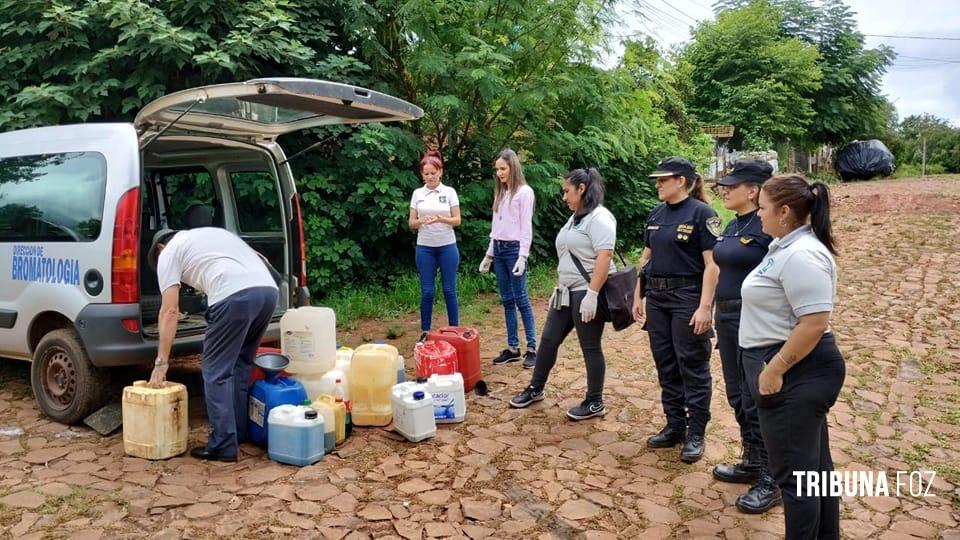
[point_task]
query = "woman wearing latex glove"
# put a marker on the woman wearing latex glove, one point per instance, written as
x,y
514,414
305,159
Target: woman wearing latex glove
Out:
x,y
510,237
434,212
680,278
589,235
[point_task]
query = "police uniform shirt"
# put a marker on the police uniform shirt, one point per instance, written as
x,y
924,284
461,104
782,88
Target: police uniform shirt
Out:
x,y
596,231
739,250
797,277
435,202
213,261
678,234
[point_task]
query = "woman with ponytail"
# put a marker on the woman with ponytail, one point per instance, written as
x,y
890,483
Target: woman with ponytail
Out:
x,y
584,249
680,278
791,361
434,212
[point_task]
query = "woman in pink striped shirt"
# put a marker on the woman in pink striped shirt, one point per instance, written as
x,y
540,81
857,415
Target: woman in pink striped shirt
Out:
x,y
510,237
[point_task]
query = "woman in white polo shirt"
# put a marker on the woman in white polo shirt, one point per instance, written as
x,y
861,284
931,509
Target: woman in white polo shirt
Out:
x,y
434,212
791,361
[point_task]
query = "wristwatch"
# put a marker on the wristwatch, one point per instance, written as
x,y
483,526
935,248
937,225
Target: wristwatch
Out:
x,y
159,362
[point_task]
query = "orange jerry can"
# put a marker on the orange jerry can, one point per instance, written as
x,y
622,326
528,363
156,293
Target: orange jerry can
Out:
x,y
467,343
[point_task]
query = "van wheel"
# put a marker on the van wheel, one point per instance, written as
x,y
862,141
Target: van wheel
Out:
x,y
65,383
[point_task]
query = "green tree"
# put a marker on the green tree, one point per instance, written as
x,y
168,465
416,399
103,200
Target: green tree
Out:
x,y
746,73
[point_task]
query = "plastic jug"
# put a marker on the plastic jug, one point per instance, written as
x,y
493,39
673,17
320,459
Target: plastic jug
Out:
x,y
401,369
328,383
449,401
373,372
329,425
467,342
435,357
413,412
296,435
339,413
264,396
308,337
155,420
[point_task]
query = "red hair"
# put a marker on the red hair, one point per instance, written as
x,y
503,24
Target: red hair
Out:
x,y
432,157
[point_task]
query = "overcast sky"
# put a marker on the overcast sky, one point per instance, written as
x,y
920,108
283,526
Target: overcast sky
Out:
x,y
925,77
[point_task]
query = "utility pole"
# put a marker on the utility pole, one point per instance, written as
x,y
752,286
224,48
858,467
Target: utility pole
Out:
x,y
923,162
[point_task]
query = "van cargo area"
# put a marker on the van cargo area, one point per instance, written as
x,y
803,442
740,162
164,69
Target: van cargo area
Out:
x,y
190,182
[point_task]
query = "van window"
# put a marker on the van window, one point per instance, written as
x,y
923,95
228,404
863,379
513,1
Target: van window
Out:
x,y
258,202
52,197
191,199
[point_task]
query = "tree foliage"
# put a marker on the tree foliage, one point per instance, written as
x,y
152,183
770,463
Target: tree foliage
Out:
x,y
489,74
747,73
942,140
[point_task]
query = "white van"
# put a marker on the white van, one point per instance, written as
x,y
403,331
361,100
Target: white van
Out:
x,y
79,206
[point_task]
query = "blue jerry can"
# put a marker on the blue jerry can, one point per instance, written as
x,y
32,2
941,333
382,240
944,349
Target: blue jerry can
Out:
x,y
264,396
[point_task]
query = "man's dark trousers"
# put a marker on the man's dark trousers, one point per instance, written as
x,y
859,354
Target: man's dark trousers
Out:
x,y
235,326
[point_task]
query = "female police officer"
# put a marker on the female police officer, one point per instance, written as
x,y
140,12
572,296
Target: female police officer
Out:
x,y
739,249
680,278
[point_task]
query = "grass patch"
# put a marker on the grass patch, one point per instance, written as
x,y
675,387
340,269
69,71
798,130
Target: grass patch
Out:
x,y
476,293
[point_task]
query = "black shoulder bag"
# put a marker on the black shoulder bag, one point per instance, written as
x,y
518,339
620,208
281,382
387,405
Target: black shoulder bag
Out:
x,y
615,302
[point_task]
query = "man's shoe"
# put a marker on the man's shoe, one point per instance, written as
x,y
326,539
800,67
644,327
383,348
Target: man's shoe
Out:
x,y
201,452
525,398
693,448
506,356
761,497
745,472
530,359
668,437
423,337
588,409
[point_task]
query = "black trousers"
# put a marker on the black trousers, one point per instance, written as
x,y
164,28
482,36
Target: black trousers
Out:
x,y
727,324
558,326
682,357
794,426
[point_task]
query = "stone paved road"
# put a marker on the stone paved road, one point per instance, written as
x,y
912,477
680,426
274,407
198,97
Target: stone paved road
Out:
x,y
533,474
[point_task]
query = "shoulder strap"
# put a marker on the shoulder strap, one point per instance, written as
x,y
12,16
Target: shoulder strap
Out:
x,y
579,265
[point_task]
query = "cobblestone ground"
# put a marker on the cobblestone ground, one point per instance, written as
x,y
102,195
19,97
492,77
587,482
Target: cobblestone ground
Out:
x,y
531,473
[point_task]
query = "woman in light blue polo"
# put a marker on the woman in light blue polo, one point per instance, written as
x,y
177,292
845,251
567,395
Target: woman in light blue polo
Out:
x,y
434,212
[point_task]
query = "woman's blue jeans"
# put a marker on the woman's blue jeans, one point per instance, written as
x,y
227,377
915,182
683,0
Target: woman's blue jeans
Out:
x,y
513,294
446,259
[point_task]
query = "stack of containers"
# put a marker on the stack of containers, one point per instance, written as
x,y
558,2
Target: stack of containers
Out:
x,y
467,343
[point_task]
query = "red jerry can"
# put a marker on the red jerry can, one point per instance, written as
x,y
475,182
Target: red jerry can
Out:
x,y
435,358
467,343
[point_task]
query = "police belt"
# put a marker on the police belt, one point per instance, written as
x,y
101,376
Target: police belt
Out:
x,y
729,306
667,283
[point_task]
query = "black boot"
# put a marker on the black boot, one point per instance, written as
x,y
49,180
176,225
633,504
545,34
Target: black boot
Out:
x,y
745,472
761,497
668,436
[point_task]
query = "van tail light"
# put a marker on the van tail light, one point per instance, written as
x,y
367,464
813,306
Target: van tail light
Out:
x,y
303,242
124,278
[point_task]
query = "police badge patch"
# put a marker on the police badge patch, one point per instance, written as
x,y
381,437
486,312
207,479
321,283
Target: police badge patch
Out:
x,y
715,226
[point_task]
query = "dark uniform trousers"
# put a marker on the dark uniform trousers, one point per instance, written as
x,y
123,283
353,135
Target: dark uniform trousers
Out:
x,y
794,426
727,324
235,326
682,357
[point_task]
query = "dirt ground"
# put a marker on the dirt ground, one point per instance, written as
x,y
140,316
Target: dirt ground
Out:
x,y
531,473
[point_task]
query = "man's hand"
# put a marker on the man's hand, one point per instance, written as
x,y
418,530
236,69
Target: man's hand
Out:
x,y
159,375
702,320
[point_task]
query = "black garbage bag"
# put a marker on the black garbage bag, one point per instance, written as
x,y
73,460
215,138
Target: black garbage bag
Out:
x,y
862,160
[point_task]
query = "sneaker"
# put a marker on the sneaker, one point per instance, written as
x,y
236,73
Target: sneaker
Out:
x,y
423,337
506,356
530,359
588,409
525,398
